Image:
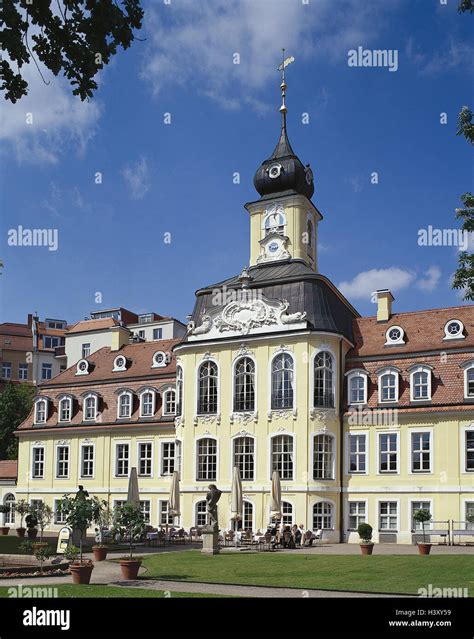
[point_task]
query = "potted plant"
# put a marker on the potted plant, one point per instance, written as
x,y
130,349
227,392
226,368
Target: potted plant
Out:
x,y
4,530
365,533
41,553
31,523
43,515
103,522
80,511
422,516
129,522
22,508
100,552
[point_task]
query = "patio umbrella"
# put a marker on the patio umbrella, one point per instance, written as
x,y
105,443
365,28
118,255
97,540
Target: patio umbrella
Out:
x,y
275,510
236,500
133,495
173,501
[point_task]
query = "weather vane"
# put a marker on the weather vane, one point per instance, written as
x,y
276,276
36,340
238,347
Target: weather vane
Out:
x,y
282,67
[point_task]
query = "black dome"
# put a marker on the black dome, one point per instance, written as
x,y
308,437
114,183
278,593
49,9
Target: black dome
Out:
x,y
288,176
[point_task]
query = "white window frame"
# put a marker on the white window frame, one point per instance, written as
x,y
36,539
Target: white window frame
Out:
x,y
467,367
379,452
85,351
449,336
233,382
353,374
196,457
119,398
419,431
95,397
331,503
422,368
396,342
293,455
68,399
149,459
165,401
199,511
358,433
285,515
41,400
6,367
331,437
379,515
232,451
412,523
153,402
9,517
82,367
218,386
463,438
119,366
164,518
358,514
33,461
48,367
59,516
67,461
167,458
270,381
332,391
81,460
389,370
145,507
22,368
179,390
116,461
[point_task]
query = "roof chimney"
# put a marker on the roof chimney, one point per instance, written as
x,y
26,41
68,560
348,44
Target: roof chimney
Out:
x,y
119,337
384,305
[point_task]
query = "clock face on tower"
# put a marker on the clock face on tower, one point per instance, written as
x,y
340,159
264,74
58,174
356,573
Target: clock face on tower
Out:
x,y
274,171
273,247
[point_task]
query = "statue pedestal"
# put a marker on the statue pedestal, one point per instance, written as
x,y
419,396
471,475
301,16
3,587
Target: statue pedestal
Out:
x,y
210,540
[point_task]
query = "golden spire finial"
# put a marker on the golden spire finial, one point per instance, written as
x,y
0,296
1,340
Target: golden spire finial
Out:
x,y
282,67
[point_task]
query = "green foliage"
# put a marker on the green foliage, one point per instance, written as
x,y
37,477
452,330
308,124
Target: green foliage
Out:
x,y
464,276
22,507
466,5
72,553
80,512
4,509
129,522
465,125
422,515
365,533
43,515
41,553
26,547
75,37
16,401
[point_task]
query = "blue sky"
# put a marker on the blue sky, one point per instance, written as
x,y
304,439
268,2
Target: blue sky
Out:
x,y
177,178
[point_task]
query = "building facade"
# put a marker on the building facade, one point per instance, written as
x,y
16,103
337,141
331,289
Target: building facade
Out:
x,y
365,419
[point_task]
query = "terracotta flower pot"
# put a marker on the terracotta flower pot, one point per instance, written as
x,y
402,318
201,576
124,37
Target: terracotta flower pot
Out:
x,y
424,549
21,532
37,545
32,533
4,530
81,573
130,568
100,553
367,549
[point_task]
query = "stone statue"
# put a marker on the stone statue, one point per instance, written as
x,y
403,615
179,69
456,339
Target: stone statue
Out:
x,y
212,498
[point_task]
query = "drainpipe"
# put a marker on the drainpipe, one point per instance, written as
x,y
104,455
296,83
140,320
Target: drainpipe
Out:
x,y
341,447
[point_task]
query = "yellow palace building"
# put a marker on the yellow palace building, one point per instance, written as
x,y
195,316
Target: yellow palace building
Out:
x,y
366,419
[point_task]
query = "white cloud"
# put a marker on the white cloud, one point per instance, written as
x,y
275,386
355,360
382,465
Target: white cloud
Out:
x,y
57,119
449,56
193,42
366,283
137,178
430,280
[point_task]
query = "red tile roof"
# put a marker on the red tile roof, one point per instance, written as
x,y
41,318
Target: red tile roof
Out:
x,y
424,331
93,325
8,469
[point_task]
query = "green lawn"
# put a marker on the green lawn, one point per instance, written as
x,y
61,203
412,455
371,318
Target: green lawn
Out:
x,y
388,573
70,591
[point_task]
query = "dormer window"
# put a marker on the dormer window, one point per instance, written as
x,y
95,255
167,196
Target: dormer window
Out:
x,y
420,383
124,405
65,408
41,410
160,359
147,403
388,385
357,387
469,380
394,336
454,329
82,367
90,407
169,402
120,364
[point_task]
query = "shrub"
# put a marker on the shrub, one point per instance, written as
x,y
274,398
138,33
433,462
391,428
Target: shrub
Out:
x,y
365,533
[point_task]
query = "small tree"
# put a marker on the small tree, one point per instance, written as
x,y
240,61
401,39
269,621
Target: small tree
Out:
x,y
365,533
129,521
41,553
423,515
4,510
80,512
22,508
43,515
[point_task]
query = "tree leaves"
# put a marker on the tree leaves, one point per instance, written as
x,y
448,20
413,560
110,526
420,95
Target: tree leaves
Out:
x,y
16,401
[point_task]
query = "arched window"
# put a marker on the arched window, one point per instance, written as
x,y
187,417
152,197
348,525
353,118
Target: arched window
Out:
x,y
244,457
275,223
282,456
41,411
65,409
124,405
179,391
469,380
420,377
201,513
309,230
287,512
388,385
323,380
244,385
147,403
206,460
169,402
90,407
9,501
323,457
323,516
357,387
282,382
208,378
